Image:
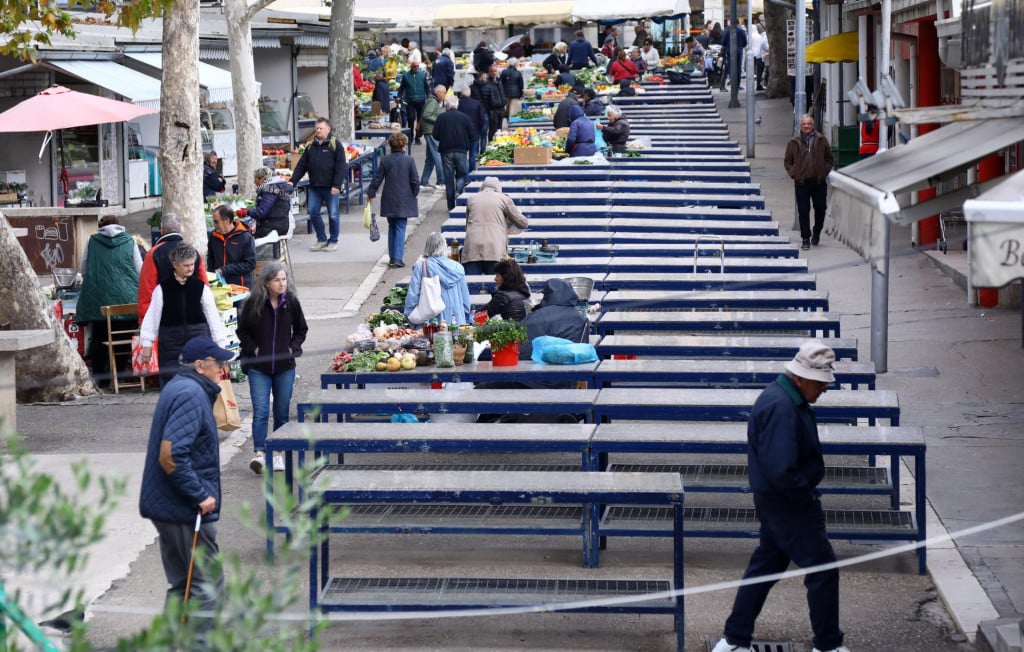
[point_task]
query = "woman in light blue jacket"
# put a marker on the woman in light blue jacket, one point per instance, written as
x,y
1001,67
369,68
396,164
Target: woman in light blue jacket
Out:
x,y
454,291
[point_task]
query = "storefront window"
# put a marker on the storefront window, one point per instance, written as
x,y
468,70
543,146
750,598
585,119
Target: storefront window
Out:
x,y
80,147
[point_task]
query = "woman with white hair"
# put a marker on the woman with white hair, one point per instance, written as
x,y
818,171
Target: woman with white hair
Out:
x,y
616,132
454,291
490,215
559,57
415,56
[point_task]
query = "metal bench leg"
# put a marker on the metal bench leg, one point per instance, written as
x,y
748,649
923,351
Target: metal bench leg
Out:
x,y
678,577
920,506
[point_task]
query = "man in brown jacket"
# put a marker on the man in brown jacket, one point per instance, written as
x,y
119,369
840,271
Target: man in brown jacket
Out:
x,y
808,161
490,214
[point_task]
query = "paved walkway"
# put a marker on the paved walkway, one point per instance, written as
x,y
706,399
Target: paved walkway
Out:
x,y
956,368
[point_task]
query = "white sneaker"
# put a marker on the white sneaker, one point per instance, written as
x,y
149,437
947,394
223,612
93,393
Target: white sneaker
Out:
x,y
257,464
841,648
331,247
319,246
724,646
278,462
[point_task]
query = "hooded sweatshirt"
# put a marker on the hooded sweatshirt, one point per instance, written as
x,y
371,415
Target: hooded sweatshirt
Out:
x,y
580,141
454,291
556,315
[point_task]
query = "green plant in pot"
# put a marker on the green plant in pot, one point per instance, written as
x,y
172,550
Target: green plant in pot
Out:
x,y
502,334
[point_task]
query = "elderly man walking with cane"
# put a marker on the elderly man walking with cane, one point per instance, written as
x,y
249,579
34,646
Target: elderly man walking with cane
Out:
x,y
181,477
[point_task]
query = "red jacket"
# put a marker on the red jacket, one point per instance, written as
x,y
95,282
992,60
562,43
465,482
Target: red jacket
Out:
x,y
158,258
620,70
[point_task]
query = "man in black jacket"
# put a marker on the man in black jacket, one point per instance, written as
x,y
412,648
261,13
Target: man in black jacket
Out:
x,y
482,57
497,107
562,118
484,92
324,160
478,116
453,131
512,87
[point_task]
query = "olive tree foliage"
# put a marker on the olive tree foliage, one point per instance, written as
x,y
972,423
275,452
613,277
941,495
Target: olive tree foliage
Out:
x,y
27,24
248,134
339,69
46,528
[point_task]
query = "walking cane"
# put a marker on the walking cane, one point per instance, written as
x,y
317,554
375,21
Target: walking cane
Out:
x,y
191,564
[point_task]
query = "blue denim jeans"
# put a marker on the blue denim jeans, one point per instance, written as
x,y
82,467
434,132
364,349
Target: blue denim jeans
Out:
x,y
485,132
260,387
454,175
396,238
474,152
432,162
315,198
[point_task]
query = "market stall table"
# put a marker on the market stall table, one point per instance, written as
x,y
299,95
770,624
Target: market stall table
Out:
x,y
813,324
661,345
718,300
543,215
618,198
527,371
663,184
708,281
722,372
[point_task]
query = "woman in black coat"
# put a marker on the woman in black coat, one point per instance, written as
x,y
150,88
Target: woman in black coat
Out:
x,y
397,172
513,293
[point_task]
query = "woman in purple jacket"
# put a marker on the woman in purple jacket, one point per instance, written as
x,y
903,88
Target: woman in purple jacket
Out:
x,y
271,330
397,173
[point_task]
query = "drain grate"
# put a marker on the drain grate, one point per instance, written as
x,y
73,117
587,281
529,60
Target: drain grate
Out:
x,y
400,593
758,646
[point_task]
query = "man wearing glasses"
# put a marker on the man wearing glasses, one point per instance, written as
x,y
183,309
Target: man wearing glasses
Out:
x,y
181,476
785,465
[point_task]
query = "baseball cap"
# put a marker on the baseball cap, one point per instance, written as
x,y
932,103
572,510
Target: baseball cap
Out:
x,y
202,347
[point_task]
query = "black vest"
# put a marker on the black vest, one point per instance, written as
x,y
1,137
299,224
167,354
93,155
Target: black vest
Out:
x,y
183,304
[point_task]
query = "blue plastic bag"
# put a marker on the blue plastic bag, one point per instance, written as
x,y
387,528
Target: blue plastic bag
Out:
x,y
555,350
404,417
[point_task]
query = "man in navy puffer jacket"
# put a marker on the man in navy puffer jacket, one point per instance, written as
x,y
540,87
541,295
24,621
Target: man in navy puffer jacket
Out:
x,y
181,477
786,465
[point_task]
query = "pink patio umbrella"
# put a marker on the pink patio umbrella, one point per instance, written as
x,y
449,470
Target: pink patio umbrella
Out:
x,y
59,108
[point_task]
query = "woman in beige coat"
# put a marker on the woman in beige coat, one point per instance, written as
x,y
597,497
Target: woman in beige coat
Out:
x,y
490,215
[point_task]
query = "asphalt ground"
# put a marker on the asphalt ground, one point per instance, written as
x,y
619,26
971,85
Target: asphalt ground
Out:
x,y
956,368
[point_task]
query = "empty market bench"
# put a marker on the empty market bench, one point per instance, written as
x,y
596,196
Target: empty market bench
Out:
x,y
301,443
670,404
346,402
717,373
775,347
616,446
582,490
811,324
717,299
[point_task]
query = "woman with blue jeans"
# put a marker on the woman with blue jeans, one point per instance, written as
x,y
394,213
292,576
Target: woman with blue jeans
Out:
x,y
271,330
401,184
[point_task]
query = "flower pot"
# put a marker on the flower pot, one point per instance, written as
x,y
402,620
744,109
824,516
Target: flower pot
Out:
x,y
459,354
506,357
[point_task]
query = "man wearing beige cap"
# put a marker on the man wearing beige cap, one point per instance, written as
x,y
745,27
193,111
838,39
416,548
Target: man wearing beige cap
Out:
x,y
785,465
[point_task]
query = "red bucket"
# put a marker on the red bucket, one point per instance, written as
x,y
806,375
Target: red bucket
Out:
x,y
506,357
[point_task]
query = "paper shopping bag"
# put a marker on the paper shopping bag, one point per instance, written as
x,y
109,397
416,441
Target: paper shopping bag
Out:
x,y
140,368
225,408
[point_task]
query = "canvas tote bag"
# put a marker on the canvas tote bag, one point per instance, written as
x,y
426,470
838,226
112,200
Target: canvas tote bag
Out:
x,y
430,304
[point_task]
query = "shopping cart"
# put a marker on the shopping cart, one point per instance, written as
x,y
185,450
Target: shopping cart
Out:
x,y
952,229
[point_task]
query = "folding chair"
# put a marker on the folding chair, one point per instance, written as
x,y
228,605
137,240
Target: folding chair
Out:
x,y
121,338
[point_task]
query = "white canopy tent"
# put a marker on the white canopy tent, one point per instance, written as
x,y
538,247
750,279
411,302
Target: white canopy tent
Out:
x,y
593,10
996,220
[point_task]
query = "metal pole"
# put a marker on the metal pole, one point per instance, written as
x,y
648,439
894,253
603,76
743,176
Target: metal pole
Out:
x,y
800,89
880,268
751,101
734,63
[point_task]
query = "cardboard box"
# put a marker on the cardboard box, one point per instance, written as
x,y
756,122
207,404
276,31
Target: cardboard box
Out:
x,y
531,155
282,161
